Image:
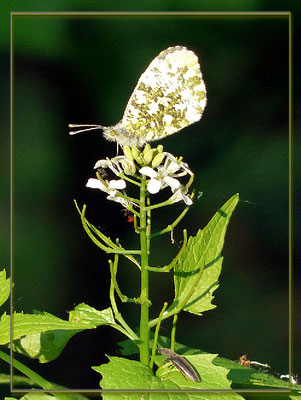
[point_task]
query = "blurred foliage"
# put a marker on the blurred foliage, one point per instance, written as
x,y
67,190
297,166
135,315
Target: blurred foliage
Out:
x,y
82,69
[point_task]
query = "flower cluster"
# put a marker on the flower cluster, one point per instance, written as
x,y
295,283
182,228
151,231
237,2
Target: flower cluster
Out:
x,y
162,168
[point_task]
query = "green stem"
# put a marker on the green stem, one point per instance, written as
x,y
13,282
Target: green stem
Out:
x,y
156,335
144,313
122,251
121,296
168,267
173,332
125,329
136,213
125,197
149,219
163,204
43,383
171,227
113,248
125,177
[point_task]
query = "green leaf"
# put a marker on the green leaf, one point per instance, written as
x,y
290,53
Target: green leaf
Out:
x,y
4,287
38,396
30,324
39,336
46,396
196,273
241,377
47,346
124,374
212,376
33,396
86,314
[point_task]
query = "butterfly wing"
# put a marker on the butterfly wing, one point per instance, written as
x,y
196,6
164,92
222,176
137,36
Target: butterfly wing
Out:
x,y
169,96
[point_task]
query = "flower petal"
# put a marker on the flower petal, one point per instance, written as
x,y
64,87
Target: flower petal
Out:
x,y
180,196
118,199
187,200
102,164
148,172
117,184
172,182
96,184
154,185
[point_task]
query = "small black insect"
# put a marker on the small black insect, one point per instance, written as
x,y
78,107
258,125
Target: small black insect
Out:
x,y
180,363
102,173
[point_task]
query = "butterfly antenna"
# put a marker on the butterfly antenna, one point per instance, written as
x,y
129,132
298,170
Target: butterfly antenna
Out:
x,y
89,127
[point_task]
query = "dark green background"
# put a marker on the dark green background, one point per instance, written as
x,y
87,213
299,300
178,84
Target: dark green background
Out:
x,y
82,69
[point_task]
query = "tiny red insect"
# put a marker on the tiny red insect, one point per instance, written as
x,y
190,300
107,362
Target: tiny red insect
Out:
x,y
129,216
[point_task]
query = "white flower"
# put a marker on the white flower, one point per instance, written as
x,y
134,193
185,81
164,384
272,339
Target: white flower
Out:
x,y
175,167
180,195
159,180
110,188
118,165
166,174
112,164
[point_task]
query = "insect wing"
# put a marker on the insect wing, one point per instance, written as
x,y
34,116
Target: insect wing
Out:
x,y
169,96
183,366
180,363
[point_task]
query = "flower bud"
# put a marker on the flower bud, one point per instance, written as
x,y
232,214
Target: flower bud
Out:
x,y
148,156
137,155
157,160
160,148
147,148
135,152
128,153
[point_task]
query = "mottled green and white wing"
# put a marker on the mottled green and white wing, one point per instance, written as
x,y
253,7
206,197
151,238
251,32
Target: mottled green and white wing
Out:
x,y
169,96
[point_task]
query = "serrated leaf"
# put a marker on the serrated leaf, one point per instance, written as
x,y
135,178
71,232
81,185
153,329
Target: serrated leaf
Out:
x,y
4,287
46,396
198,269
45,346
38,396
87,314
48,345
33,396
121,373
56,396
29,324
124,374
242,377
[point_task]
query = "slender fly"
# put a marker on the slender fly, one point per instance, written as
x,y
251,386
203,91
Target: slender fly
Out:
x,y
180,363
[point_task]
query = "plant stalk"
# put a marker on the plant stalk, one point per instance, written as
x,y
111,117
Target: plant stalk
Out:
x,y
144,313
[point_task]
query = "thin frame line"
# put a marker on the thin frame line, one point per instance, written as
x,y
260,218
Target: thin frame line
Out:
x,y
108,13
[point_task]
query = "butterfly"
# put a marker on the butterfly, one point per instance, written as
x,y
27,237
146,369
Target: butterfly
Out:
x,y
169,95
